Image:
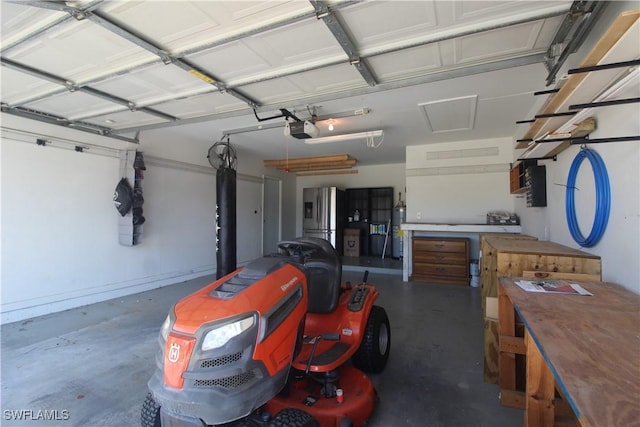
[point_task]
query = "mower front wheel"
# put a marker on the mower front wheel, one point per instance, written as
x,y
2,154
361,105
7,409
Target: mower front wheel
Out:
x,y
292,417
374,350
150,414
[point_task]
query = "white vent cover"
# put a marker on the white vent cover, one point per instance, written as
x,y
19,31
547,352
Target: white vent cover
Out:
x,y
463,153
448,115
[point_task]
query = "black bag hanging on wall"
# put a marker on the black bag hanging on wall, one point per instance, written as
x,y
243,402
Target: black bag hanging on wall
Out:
x,y
225,221
138,162
123,196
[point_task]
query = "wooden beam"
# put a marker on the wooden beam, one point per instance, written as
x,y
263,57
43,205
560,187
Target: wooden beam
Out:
x,y
512,345
512,399
319,166
343,172
540,388
606,42
306,160
532,274
506,328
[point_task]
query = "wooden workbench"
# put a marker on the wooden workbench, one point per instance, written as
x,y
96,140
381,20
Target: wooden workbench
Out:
x,y
588,347
512,257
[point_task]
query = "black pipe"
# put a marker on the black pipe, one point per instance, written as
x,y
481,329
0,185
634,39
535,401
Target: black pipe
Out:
x,y
566,113
604,66
545,92
604,103
602,140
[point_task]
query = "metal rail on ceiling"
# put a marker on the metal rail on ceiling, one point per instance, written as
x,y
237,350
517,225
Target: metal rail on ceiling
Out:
x,y
573,30
342,37
71,87
322,11
163,56
318,99
432,39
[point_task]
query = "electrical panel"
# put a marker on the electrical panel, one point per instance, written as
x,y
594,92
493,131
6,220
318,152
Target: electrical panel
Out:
x,y
536,184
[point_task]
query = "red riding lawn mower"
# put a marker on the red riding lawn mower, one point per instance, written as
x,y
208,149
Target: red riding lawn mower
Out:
x,y
270,345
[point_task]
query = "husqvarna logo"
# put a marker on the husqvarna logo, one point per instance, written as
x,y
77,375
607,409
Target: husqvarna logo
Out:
x,y
174,352
289,284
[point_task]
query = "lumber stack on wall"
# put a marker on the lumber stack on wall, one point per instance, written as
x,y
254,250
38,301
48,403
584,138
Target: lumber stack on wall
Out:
x,y
335,162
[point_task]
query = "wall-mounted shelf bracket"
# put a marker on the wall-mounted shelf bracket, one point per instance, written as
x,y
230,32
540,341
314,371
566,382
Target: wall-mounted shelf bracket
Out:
x,y
610,66
554,158
604,103
579,141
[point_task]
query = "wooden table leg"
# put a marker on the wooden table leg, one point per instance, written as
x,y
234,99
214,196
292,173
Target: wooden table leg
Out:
x,y
539,411
507,360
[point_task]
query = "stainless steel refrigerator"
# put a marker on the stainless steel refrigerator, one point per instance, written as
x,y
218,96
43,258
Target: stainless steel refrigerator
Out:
x,y
323,214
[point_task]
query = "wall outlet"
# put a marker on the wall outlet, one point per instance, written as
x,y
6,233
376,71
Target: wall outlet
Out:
x,y
418,215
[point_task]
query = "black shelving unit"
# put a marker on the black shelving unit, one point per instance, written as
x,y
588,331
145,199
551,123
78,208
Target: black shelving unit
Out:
x,y
371,210
536,184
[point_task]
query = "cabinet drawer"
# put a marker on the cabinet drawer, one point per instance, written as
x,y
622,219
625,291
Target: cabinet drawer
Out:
x,y
426,269
452,258
438,245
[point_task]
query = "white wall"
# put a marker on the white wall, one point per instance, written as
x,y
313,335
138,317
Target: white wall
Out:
x,y
390,175
458,182
58,227
619,248
60,234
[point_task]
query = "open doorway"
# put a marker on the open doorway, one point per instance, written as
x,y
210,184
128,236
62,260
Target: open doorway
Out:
x,y
271,214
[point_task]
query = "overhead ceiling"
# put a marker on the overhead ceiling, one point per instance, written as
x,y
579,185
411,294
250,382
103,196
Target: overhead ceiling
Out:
x,y
421,71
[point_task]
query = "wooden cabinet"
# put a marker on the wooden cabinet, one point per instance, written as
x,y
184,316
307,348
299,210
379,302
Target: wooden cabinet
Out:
x,y
510,257
487,259
441,260
528,177
517,183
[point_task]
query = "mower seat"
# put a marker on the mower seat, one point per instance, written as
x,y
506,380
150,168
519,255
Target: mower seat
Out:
x,y
324,275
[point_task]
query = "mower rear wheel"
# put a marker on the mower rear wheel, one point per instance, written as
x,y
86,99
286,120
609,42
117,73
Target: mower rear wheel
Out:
x,y
373,352
150,414
292,417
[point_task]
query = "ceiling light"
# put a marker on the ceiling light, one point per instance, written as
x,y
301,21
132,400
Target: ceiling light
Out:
x,y
330,127
345,137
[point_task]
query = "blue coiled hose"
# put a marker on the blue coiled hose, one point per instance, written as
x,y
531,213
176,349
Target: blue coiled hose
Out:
x,y
603,198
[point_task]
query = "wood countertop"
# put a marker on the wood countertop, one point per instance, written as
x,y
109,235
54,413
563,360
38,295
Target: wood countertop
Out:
x,y
541,247
591,345
459,227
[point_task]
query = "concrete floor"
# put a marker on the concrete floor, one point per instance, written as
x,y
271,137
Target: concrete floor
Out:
x,y
91,364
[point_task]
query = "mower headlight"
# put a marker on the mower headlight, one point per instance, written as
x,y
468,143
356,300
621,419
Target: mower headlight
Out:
x,y
166,327
222,334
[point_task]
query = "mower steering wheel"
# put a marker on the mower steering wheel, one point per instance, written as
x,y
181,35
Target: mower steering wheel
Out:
x,y
295,247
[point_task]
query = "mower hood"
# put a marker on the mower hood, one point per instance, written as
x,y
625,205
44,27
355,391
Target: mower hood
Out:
x,y
228,347
257,288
